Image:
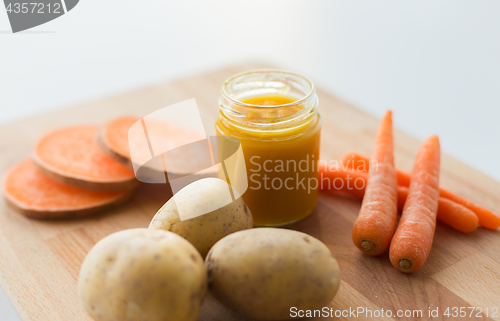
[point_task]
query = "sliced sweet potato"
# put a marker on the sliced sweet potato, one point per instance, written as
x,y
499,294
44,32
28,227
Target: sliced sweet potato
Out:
x,y
37,196
71,156
113,138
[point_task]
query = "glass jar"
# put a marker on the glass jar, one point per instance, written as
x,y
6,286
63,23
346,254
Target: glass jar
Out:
x,y
274,116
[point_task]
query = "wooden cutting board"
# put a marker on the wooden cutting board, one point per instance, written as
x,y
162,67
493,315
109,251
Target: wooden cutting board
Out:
x,y
40,260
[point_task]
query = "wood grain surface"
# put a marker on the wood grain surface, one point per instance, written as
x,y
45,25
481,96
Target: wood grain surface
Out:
x,y
40,260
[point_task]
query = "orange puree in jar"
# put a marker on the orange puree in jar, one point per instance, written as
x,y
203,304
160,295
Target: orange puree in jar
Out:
x,y
280,136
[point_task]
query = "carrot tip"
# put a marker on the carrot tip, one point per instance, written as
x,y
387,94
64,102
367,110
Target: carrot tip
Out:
x,y
405,264
367,245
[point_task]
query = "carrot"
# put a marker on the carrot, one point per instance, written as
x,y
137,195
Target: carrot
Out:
x,y
354,161
37,196
150,139
449,212
487,218
412,241
377,218
353,183
403,178
71,156
339,180
359,162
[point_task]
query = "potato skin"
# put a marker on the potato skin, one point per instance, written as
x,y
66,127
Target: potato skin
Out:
x,y
263,272
205,230
142,275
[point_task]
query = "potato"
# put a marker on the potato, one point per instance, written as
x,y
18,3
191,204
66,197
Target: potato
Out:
x,y
142,274
203,231
262,273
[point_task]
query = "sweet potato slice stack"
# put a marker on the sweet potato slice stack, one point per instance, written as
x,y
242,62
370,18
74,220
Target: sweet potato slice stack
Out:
x,y
68,176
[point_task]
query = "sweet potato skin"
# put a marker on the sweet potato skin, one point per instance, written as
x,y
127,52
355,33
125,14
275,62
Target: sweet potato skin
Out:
x,y
66,213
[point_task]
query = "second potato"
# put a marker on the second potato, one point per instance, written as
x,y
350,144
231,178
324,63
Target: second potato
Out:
x,y
205,230
263,273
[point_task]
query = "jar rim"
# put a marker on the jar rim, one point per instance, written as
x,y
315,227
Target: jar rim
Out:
x,y
225,94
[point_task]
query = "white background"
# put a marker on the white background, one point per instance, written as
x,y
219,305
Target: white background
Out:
x,y
435,63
